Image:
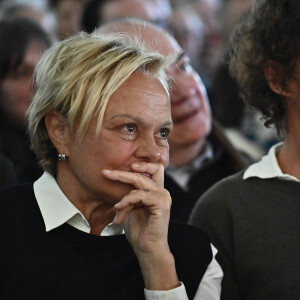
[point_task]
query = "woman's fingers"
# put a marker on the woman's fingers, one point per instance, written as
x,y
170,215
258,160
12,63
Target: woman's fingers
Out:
x,y
154,170
121,215
149,193
143,199
143,174
138,180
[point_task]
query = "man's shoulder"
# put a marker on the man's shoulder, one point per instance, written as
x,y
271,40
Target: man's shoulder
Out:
x,y
226,185
221,196
232,194
235,185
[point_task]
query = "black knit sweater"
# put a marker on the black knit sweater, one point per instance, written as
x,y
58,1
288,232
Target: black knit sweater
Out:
x,y
66,263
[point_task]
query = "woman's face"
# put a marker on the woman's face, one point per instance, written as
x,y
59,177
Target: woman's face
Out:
x,y
135,128
16,88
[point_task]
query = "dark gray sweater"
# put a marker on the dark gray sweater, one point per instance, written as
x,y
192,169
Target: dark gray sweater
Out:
x,y
255,225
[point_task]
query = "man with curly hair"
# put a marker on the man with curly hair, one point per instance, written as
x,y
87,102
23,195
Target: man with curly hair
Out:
x,y
253,217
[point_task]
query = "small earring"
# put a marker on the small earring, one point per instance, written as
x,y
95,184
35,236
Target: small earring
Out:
x,y
62,156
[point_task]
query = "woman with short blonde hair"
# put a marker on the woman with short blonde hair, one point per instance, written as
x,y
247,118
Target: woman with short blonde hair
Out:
x,y
76,74
96,224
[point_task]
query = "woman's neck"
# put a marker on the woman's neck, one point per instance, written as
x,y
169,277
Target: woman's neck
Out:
x,y
98,213
99,218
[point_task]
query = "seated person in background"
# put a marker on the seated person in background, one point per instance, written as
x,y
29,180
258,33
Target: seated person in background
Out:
x,y
99,124
7,172
243,126
252,218
68,15
200,155
36,11
22,42
189,30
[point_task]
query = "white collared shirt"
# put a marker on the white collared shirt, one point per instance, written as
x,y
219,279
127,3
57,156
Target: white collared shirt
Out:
x,y
56,210
268,167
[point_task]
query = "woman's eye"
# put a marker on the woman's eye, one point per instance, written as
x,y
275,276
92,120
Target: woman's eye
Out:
x,y
130,128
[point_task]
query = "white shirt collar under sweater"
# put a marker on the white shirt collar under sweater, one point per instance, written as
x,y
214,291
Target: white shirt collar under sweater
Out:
x,y
268,167
56,209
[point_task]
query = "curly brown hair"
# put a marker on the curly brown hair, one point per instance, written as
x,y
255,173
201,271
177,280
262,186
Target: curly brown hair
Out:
x,y
267,35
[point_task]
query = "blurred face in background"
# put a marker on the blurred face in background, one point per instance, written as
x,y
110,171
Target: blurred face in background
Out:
x,y
232,11
188,29
16,88
190,106
69,14
212,51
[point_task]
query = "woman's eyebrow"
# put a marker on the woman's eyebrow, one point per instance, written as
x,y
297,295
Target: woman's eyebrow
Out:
x,y
138,119
133,117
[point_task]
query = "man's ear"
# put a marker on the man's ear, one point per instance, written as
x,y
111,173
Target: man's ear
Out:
x,y
58,131
273,81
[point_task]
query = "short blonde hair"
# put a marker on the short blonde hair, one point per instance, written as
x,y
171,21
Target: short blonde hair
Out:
x,y
76,78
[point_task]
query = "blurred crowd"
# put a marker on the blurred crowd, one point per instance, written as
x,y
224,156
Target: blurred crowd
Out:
x,y
201,27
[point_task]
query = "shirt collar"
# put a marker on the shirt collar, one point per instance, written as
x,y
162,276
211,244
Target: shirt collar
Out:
x,y
56,209
268,167
207,153
183,174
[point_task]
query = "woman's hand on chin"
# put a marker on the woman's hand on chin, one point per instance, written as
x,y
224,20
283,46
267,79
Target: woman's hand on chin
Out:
x,y
145,214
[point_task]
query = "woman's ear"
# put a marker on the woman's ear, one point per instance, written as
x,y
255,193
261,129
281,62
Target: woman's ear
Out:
x,y
273,80
58,131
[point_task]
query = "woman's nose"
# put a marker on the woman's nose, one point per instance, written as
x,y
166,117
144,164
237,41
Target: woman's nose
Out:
x,y
149,151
